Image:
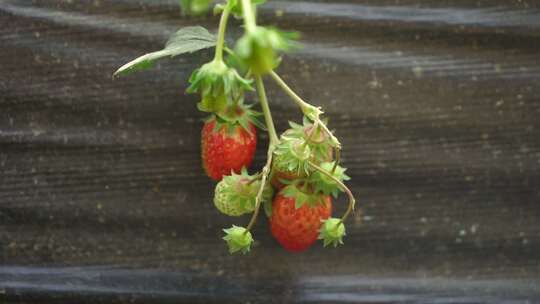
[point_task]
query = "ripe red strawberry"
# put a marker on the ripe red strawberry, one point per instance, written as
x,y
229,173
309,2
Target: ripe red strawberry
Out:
x,y
296,227
227,147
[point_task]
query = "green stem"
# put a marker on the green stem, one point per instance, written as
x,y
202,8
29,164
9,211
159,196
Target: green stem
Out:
x,y
258,198
254,179
274,140
311,111
336,162
266,110
221,32
304,106
249,15
352,201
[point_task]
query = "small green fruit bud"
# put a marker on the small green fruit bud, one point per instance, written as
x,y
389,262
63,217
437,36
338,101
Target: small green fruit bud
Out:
x,y
332,232
238,239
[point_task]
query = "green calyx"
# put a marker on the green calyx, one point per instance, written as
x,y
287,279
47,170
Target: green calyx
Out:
x,y
238,239
219,86
332,232
235,194
292,155
235,115
325,184
302,194
316,138
259,48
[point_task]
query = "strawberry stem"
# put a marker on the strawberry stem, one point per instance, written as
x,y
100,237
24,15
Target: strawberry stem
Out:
x,y
352,201
254,179
309,110
221,32
249,15
266,110
336,162
274,140
265,171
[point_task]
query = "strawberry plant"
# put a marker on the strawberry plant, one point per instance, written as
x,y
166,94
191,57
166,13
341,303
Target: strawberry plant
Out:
x,y
302,164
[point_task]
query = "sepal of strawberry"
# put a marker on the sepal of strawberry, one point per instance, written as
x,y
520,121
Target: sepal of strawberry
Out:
x,y
238,114
259,48
332,232
238,239
325,184
317,139
302,195
218,85
292,155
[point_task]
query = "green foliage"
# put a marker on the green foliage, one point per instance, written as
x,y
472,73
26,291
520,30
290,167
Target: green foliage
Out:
x,y
186,40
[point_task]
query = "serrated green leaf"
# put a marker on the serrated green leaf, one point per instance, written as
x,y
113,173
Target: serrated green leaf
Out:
x,y
186,40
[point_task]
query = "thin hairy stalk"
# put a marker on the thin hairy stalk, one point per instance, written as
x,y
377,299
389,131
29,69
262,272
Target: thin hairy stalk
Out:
x,y
336,162
266,110
311,111
249,15
258,198
274,140
254,179
352,201
221,32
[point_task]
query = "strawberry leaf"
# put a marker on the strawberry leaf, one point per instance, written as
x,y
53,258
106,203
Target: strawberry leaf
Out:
x,y
186,40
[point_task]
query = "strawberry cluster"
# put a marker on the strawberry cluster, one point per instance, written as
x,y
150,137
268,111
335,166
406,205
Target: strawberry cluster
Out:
x,y
302,173
305,177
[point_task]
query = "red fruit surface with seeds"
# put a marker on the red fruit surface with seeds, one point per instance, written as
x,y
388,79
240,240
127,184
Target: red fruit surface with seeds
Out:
x,y
223,151
297,229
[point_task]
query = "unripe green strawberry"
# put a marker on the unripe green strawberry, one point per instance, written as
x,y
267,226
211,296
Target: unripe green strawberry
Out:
x,y
235,194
